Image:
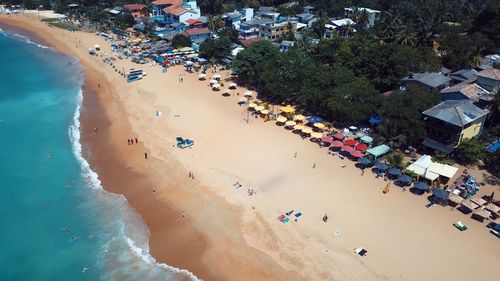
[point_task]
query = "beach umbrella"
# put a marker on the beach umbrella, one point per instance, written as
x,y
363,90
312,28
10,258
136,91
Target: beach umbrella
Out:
x,y
339,136
394,171
307,131
356,153
420,185
216,86
290,123
347,148
299,117
232,86
281,119
314,119
337,144
287,109
381,166
319,125
361,147
364,161
317,135
405,179
264,111
350,142
375,120
202,76
217,76
97,47
440,194
298,127
259,108
213,82
226,93
326,139
253,105
248,94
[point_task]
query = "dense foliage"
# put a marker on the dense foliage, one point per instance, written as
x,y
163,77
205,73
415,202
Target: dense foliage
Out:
x,y
469,152
180,40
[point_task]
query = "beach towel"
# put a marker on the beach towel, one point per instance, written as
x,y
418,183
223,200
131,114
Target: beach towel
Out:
x,y
281,218
286,220
360,251
298,214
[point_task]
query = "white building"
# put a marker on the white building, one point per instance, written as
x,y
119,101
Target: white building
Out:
x,y
373,16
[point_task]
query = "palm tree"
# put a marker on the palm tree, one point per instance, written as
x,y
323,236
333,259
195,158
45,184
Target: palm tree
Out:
x,y
215,23
396,160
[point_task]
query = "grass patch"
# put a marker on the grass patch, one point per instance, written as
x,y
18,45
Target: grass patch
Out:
x,y
50,20
64,26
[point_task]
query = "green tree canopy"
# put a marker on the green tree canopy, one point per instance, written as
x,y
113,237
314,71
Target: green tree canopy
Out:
x,y
469,152
179,41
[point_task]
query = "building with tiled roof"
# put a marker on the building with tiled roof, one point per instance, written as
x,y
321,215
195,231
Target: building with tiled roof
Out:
x,y
489,78
468,90
176,10
197,35
137,10
450,122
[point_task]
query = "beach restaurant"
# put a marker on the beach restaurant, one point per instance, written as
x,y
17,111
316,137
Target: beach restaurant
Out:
x,y
425,167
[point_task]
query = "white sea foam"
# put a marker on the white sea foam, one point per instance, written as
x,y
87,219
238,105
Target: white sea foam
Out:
x,y
92,178
24,38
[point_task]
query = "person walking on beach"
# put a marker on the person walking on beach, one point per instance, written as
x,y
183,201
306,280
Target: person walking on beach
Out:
x,y
314,165
145,155
325,218
136,141
295,154
128,141
363,171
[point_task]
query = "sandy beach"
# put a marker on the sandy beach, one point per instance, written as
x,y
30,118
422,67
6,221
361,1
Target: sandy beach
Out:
x,y
207,226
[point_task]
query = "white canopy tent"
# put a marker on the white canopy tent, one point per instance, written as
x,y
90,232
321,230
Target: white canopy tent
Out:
x,y
424,167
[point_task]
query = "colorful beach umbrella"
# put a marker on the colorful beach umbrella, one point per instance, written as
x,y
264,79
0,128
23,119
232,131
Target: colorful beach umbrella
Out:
x,y
337,144
287,109
364,161
317,135
381,166
405,179
307,131
298,127
264,111
299,117
319,125
252,105
281,119
350,142
420,185
314,119
326,139
361,147
259,108
347,148
290,123
356,154
339,136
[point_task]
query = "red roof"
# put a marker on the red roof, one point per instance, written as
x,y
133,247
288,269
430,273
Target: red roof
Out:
x,y
135,7
197,31
247,42
165,2
174,10
193,22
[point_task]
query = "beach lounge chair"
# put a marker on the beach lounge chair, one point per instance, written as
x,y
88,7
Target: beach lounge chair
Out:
x,y
460,226
360,251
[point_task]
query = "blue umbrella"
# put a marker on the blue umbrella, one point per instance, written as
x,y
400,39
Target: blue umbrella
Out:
x,y
441,194
364,161
394,171
375,120
314,119
420,185
381,166
405,179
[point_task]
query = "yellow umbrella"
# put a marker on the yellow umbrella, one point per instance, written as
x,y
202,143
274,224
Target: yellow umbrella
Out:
x,y
287,109
252,105
298,127
299,117
317,135
319,125
264,111
259,108
290,123
307,131
281,119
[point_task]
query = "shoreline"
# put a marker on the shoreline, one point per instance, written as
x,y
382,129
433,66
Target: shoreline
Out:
x,y
175,242
225,233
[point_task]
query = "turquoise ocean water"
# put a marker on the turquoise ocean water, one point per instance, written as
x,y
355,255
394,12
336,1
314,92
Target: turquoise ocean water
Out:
x,y
56,221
